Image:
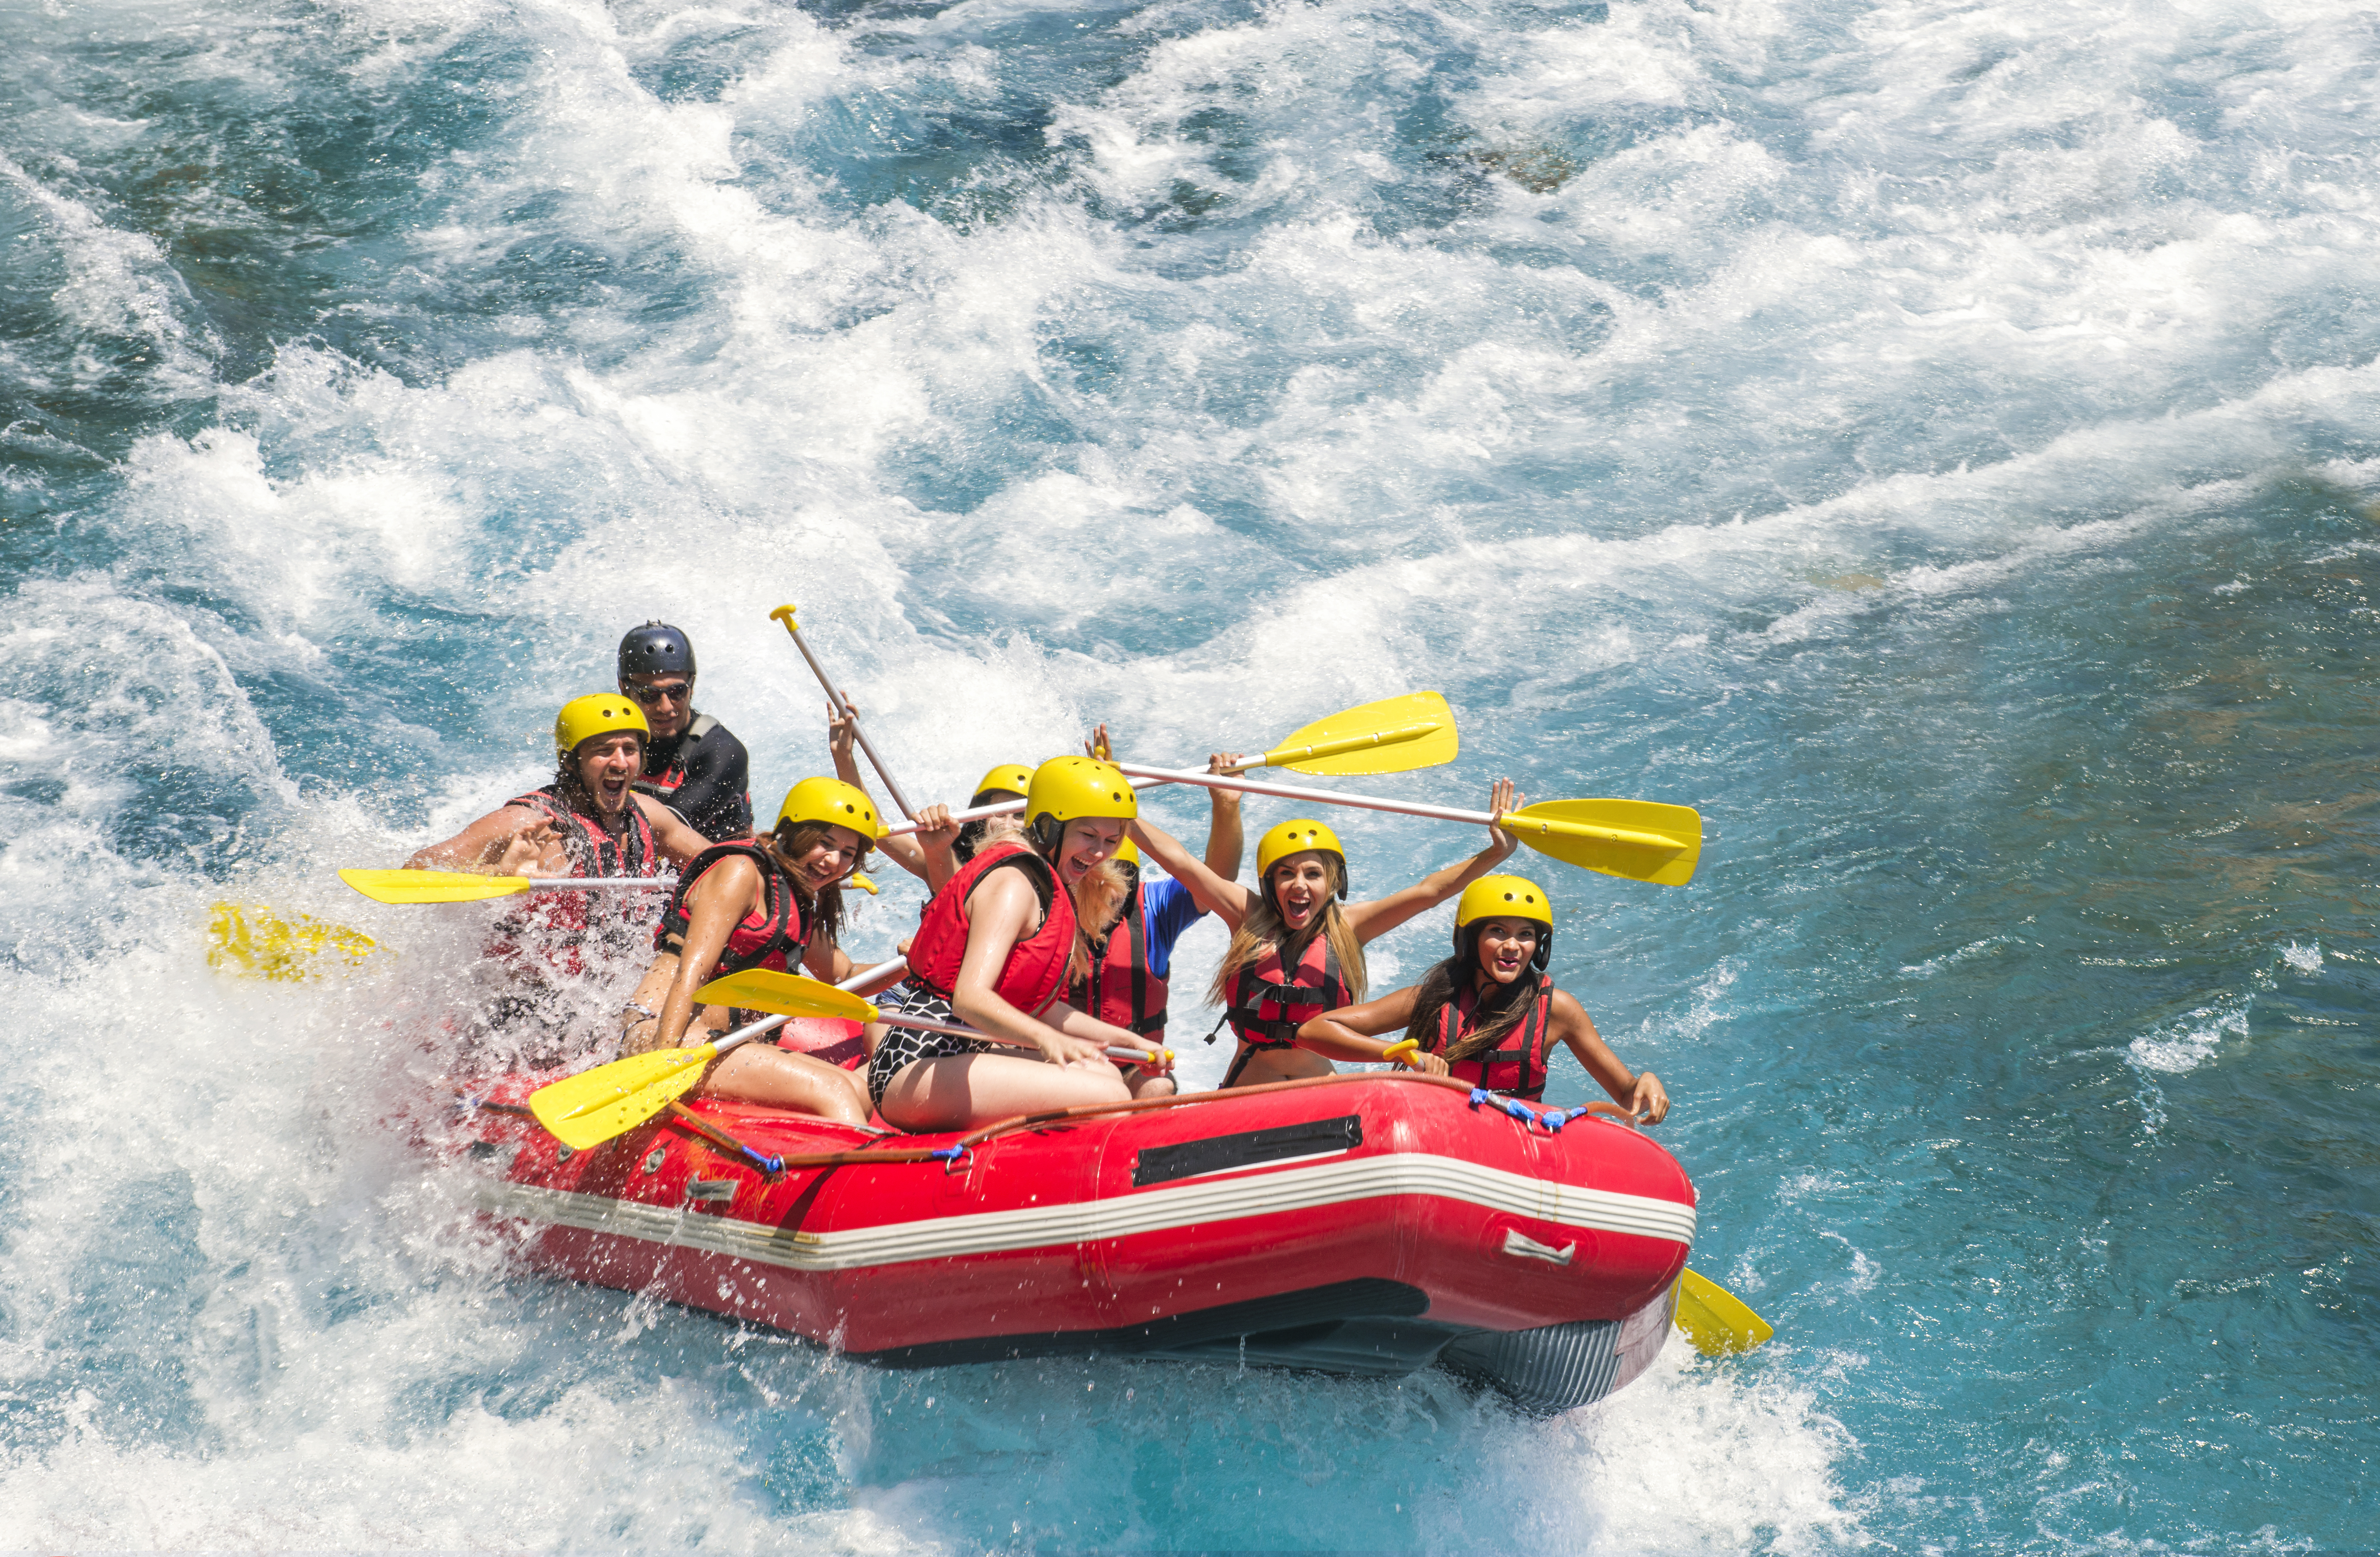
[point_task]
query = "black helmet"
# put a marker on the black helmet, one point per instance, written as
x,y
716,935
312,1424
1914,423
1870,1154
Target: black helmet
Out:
x,y
656,649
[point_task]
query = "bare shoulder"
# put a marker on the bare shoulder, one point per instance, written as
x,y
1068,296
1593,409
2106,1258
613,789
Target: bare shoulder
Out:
x,y
1566,1008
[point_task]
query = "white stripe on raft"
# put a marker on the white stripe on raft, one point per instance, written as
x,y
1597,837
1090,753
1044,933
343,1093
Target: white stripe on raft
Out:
x,y
1156,1210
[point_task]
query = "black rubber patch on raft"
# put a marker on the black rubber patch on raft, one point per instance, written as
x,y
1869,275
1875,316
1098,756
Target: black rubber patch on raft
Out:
x,y
1163,1164
1298,1330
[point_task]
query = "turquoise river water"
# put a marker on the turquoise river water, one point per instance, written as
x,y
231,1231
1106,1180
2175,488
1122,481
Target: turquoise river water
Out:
x,y
1940,441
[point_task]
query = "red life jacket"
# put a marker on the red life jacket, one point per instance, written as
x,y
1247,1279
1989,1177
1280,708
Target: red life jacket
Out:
x,y
1265,1010
1036,969
1121,989
1515,1070
559,925
767,939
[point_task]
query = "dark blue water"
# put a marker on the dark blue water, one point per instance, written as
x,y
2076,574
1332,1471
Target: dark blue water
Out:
x,y
1941,444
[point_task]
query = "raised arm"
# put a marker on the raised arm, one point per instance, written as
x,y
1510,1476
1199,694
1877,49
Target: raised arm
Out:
x,y
842,731
1372,919
1640,1093
1227,900
1352,1032
1225,840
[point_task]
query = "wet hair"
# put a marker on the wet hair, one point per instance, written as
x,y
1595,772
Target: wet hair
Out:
x,y
786,843
1501,1008
1264,928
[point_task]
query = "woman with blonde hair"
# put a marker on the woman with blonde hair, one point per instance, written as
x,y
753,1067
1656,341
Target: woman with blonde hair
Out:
x,y
768,902
1295,951
995,950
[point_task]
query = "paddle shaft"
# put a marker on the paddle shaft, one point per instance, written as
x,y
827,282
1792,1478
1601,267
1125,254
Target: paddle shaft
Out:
x,y
621,884
785,613
767,1024
1516,823
894,1018
1000,808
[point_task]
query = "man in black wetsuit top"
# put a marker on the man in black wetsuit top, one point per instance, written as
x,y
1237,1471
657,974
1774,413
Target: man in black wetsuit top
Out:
x,y
692,764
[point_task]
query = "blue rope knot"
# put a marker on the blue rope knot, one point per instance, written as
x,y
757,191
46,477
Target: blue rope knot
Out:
x,y
1480,1095
768,1163
1520,1110
950,1156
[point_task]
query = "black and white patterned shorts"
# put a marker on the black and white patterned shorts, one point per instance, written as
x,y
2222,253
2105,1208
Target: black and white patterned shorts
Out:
x,y
903,1047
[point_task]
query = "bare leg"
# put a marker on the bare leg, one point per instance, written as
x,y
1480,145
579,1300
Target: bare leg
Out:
x,y
961,1091
762,1072
1148,1083
1281,1065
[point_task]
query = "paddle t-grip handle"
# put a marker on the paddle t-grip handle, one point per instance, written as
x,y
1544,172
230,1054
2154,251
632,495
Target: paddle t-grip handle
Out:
x,y
785,613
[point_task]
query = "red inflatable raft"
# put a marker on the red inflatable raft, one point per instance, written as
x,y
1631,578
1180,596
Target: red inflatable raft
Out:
x,y
1365,1225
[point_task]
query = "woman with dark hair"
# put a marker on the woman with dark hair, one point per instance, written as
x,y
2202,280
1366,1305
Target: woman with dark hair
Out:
x,y
773,902
1294,952
1489,1015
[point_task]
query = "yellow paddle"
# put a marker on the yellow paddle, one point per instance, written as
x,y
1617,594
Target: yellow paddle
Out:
x,y
463,887
792,995
1642,840
611,1099
252,938
1393,735
1716,1320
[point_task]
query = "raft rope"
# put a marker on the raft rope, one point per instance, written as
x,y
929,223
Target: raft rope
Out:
x,y
1552,1119
768,1163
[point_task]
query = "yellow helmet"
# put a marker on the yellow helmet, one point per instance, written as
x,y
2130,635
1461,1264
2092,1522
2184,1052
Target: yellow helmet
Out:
x,y
1127,854
1503,897
1008,778
1506,897
832,800
1067,789
603,713
1287,838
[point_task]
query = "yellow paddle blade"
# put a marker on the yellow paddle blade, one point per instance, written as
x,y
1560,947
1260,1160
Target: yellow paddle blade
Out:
x,y
784,995
250,939
1642,840
592,1107
1393,735
431,886
1716,1320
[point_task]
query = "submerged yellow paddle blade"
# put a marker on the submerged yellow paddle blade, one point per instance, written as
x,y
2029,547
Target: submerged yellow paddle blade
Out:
x,y
252,940
1642,840
431,886
592,1107
1716,1320
784,995
1393,735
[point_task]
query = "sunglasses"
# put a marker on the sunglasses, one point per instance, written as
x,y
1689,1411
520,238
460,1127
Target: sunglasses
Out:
x,y
674,691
